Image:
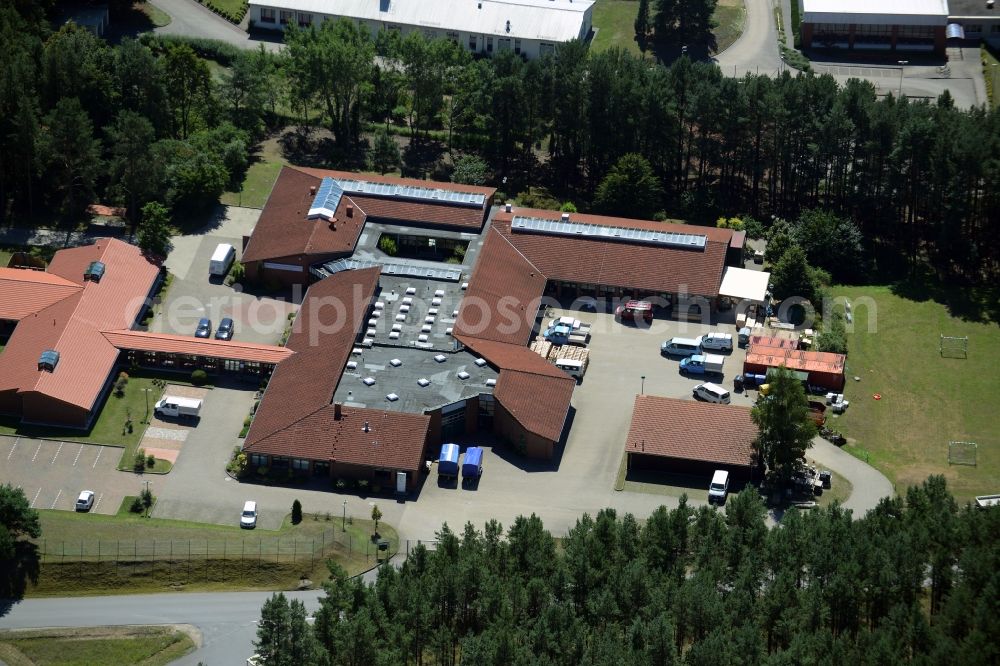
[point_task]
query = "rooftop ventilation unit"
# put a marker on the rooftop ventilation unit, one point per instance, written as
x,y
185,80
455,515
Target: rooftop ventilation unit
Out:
x,y
491,382
463,375
352,365
440,358
480,362
422,382
94,272
395,363
608,233
368,381
392,397
48,360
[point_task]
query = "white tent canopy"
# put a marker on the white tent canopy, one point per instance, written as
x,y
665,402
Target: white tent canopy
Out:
x,y
745,285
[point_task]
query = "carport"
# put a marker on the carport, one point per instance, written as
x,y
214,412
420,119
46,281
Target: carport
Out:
x,y
688,437
741,284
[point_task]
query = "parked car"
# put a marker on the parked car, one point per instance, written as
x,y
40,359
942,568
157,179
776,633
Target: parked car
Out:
x,y
679,347
634,311
703,364
204,329
716,341
85,502
248,518
225,330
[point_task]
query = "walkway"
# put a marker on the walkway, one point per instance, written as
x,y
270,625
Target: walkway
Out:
x,y
756,51
190,19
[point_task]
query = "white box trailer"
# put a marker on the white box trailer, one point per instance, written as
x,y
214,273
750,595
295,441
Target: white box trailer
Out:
x,y
177,407
222,259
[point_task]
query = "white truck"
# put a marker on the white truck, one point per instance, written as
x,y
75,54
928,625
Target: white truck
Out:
x,y
222,259
177,407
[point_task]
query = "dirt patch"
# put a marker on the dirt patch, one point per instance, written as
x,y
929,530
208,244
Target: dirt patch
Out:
x,y
170,455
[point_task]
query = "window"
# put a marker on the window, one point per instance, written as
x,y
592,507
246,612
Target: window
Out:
x,y
517,46
453,36
266,15
258,460
279,462
973,27
546,49
472,43
301,465
286,17
995,27
503,44
430,34
305,20
489,45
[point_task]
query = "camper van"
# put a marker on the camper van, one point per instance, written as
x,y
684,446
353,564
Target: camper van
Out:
x,y
572,367
222,259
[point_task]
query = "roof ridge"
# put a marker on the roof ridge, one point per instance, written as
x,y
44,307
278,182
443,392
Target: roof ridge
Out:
x,y
522,255
287,425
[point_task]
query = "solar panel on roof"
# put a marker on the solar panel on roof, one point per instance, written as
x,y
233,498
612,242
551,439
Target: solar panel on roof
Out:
x,y
412,192
644,236
339,265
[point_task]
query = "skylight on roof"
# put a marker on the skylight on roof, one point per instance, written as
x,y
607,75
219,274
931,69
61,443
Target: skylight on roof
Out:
x,y
413,193
327,199
608,233
48,360
94,272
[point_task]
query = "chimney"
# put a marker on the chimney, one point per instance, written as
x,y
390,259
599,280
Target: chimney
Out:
x,y
565,217
333,223
338,411
350,211
366,428
312,190
507,207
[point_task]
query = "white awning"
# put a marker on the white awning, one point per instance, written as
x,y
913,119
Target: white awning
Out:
x,y
743,284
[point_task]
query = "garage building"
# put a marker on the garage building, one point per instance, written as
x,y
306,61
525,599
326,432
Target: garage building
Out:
x,y
688,437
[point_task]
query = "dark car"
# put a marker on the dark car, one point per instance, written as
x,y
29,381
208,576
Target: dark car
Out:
x,y
225,330
204,328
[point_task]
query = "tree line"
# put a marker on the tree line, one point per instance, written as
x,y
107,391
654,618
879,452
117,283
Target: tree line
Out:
x,y
916,580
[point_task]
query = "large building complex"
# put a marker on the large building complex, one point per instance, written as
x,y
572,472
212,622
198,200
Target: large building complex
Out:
x,y
904,26
529,28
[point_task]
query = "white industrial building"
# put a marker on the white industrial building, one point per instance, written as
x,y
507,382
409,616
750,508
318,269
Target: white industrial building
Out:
x,y
875,25
529,28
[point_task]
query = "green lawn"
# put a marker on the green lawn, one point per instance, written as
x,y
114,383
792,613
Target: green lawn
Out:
x,y
991,73
256,186
730,17
614,21
5,255
157,17
150,646
234,8
128,554
926,400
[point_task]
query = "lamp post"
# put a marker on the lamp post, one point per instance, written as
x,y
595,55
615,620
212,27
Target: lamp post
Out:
x,y
343,524
902,64
146,392
642,389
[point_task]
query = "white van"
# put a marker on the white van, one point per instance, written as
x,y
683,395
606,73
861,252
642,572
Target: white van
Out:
x,y
719,487
712,393
248,518
572,367
717,341
680,347
222,259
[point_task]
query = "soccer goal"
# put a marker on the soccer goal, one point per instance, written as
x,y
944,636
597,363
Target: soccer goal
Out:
x,y
954,347
962,453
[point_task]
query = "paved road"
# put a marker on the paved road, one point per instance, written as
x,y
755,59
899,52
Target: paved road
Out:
x,y
191,19
870,486
756,51
227,620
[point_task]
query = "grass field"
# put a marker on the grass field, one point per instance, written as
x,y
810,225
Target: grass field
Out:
x,y
5,254
150,646
234,7
256,186
615,24
128,554
991,74
926,400
157,17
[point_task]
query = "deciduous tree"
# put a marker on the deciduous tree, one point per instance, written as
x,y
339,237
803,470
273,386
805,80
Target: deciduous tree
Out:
x,y
785,428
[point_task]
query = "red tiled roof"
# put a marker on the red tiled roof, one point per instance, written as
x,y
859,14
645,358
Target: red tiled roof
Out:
x,y
512,357
503,295
540,403
284,229
322,338
106,211
73,326
24,292
808,361
394,440
690,430
633,266
183,344
441,215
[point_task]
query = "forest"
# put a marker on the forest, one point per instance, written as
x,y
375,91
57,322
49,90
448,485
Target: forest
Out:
x,y
920,179
916,580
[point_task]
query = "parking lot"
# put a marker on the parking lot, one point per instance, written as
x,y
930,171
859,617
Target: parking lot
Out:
x,y
53,473
193,294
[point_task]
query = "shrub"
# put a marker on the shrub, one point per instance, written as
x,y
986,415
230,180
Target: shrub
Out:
x,y
262,471
340,484
388,245
199,377
150,461
136,506
139,462
568,207
120,384
296,512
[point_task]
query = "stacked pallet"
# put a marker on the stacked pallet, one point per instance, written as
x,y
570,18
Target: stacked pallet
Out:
x,y
571,352
542,347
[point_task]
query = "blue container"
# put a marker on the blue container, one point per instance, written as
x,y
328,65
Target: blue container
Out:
x,y
472,466
448,460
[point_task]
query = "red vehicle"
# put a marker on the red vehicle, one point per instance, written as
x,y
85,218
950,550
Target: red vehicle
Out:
x,y
635,310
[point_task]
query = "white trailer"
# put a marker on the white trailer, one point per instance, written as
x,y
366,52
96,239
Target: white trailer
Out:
x,y
177,407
